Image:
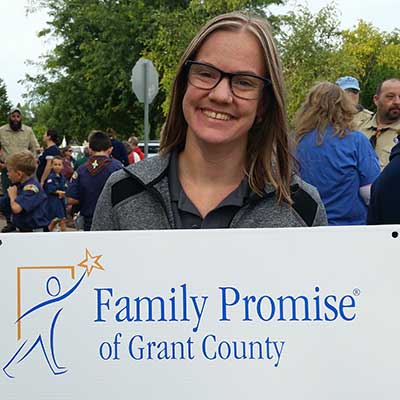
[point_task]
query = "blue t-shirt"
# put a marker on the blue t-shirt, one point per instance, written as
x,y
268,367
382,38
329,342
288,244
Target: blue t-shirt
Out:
x,y
338,168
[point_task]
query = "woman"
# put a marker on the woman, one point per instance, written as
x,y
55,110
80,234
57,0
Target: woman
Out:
x,y
51,141
224,159
337,160
68,162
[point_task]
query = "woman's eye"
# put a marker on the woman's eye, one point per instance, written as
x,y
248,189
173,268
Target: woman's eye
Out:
x,y
245,83
205,73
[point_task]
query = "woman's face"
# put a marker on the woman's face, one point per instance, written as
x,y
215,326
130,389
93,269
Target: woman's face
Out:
x,y
217,116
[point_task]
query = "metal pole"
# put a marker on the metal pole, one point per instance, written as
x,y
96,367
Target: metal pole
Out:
x,y
146,113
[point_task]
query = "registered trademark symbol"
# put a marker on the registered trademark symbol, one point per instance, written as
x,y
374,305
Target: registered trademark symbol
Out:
x,y
356,292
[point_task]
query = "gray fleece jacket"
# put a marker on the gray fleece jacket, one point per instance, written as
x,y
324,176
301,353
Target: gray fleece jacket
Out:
x,y
137,198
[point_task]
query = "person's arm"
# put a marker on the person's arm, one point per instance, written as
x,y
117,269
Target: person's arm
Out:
x,y
34,146
46,171
12,194
368,168
73,193
365,193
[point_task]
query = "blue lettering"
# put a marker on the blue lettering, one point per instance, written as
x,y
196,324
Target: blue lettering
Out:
x,y
272,308
204,347
100,303
330,307
224,301
342,305
139,355
293,313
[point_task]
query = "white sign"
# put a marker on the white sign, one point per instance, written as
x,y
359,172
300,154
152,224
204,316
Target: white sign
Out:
x,y
222,314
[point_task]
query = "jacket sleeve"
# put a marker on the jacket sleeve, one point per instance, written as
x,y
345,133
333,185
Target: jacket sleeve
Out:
x,y
50,186
320,216
308,204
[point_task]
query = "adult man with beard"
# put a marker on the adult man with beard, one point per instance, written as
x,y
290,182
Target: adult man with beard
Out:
x,y
384,127
352,88
14,137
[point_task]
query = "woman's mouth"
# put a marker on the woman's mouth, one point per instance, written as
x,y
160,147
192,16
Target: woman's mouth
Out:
x,y
216,115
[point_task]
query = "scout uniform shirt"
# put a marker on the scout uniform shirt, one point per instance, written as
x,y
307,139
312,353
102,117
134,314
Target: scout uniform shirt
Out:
x,y
381,139
33,200
88,181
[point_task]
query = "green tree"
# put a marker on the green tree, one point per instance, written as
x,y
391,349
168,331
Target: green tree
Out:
x,y
308,44
370,55
5,104
85,82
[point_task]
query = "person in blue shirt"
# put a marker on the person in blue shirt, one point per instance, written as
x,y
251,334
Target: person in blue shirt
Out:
x,y
89,179
52,141
118,148
25,198
55,186
339,161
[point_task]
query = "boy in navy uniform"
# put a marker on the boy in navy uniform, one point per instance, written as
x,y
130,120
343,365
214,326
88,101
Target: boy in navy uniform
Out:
x,y
26,198
88,180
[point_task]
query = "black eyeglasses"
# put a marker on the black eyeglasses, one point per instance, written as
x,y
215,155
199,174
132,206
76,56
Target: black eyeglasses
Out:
x,y
207,77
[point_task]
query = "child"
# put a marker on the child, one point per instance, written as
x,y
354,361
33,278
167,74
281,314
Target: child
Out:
x,y
55,186
89,179
26,198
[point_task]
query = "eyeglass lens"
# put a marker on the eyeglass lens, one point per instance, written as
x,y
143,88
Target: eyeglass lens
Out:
x,y
242,85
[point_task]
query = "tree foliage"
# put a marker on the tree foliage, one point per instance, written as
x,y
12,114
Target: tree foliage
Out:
x,y
5,104
85,82
371,56
308,43
313,49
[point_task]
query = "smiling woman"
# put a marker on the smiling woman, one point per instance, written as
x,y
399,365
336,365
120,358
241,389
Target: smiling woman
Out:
x,y
224,157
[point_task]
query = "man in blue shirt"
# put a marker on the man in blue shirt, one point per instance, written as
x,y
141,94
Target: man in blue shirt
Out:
x,y
118,148
89,179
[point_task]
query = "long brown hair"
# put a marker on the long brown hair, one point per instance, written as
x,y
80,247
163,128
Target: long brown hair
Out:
x,y
326,105
268,159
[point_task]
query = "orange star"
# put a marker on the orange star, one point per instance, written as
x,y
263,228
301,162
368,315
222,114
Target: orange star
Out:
x,y
91,262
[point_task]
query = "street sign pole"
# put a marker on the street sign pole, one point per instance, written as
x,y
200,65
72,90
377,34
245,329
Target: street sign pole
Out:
x,y
146,112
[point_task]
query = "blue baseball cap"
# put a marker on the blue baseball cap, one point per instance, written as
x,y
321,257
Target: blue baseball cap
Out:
x,y
348,82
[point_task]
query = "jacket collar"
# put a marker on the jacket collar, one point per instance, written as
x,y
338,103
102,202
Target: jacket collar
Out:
x,y
149,171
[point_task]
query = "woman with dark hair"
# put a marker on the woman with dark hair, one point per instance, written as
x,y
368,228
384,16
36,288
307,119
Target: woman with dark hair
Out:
x,y
224,157
51,141
68,162
339,161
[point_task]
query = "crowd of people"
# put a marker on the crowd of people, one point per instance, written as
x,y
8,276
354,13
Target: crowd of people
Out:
x,y
227,156
41,192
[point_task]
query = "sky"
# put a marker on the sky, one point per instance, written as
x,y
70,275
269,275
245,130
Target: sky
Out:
x,y
19,41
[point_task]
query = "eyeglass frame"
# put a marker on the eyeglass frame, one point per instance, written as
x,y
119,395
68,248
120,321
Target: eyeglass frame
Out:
x,y
266,82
